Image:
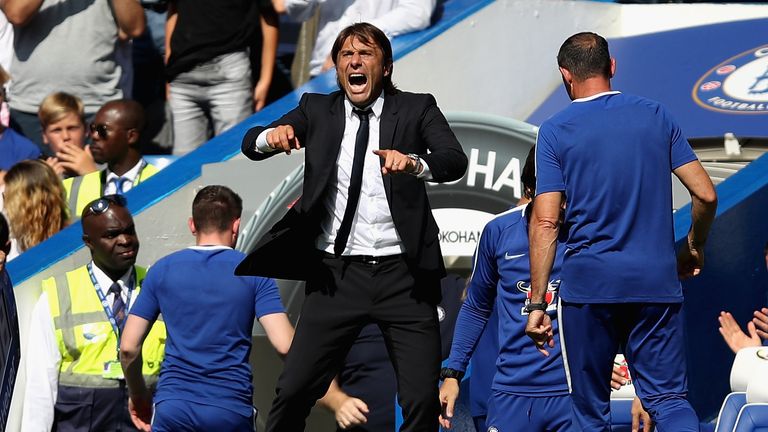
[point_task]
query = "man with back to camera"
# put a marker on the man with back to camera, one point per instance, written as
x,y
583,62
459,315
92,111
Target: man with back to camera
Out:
x,y
115,133
74,380
528,392
611,155
206,380
378,260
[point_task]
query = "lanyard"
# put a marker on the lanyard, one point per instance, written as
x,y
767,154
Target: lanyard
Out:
x,y
107,307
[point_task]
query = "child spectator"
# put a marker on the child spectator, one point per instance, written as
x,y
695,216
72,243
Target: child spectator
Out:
x,y
62,119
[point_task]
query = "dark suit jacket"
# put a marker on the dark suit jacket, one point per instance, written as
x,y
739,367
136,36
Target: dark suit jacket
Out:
x,y
410,123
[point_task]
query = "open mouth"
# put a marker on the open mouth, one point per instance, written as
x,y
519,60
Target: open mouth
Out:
x,y
357,79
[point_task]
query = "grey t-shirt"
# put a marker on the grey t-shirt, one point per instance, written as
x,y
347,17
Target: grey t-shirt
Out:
x,y
69,45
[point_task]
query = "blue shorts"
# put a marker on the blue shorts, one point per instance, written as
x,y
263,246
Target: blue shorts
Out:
x,y
177,415
512,413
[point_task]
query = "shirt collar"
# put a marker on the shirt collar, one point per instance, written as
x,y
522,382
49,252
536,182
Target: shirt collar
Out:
x,y
130,175
209,247
377,106
595,96
105,281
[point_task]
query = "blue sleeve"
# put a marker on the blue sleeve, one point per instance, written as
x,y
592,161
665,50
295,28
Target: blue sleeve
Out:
x,y
549,173
481,296
267,300
146,304
680,150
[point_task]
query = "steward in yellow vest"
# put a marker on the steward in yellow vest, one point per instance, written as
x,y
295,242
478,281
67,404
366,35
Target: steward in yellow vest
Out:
x,y
74,379
83,189
115,133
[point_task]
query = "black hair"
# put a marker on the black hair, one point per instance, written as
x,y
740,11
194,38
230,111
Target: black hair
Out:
x,y
215,208
368,34
585,55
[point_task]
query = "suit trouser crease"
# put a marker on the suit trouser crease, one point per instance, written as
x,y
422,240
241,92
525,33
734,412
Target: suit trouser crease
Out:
x,y
338,304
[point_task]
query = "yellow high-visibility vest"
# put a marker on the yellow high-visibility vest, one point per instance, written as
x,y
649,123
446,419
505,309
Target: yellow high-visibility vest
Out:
x,y
86,338
85,188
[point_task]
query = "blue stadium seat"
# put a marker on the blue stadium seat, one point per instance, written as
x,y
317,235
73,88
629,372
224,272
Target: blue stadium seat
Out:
x,y
730,411
753,417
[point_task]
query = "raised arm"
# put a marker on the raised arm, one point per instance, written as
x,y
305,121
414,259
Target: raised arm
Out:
x,y
703,209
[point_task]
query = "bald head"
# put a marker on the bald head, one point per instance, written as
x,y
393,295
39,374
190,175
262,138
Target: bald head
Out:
x,y
129,113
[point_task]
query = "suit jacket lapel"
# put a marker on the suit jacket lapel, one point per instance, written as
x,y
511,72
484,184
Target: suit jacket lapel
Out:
x,y
326,152
387,127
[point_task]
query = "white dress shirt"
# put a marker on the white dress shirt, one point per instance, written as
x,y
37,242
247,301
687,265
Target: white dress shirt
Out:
x,y
393,17
43,357
132,174
373,231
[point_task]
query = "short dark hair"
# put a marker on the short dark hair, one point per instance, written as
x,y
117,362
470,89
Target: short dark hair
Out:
x,y
215,208
585,55
528,176
368,34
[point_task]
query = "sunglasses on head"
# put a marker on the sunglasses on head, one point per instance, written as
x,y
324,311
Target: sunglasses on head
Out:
x,y
99,129
102,204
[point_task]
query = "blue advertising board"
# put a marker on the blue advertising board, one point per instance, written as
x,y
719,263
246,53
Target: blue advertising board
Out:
x,y
713,78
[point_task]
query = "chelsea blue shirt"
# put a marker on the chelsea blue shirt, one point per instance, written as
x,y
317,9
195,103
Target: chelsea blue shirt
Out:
x,y
613,155
209,314
501,276
15,148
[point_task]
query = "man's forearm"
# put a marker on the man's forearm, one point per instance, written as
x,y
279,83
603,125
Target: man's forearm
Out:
x,y
702,216
542,233
131,362
270,31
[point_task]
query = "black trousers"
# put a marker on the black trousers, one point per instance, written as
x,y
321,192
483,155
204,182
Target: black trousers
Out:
x,y
345,296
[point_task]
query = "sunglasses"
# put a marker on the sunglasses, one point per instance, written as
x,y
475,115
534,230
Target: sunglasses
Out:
x,y
101,129
101,205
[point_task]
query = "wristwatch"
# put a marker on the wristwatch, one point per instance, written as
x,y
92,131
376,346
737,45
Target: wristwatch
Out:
x,y
530,307
451,373
417,163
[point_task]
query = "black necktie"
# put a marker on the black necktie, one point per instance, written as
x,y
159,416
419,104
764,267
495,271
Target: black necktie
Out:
x,y
118,306
355,182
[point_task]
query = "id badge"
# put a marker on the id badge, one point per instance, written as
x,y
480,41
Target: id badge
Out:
x,y
112,370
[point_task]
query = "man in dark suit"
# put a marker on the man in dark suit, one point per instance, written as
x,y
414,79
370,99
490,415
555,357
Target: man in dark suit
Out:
x,y
362,235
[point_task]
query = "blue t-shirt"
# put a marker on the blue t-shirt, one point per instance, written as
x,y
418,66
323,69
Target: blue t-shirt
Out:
x,y
15,148
209,314
501,275
613,155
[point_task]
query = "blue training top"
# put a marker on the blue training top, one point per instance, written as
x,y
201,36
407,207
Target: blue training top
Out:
x,y
613,154
502,266
209,313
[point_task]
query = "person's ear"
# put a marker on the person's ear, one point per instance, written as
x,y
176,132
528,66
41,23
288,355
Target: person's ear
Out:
x,y
87,241
133,136
191,225
613,67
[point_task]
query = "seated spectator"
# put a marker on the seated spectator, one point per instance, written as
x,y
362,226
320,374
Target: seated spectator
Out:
x,y
69,46
13,147
115,132
34,204
62,119
393,17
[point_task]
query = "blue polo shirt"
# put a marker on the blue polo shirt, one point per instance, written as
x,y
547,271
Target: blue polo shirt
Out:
x,y
613,155
209,314
15,148
501,279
